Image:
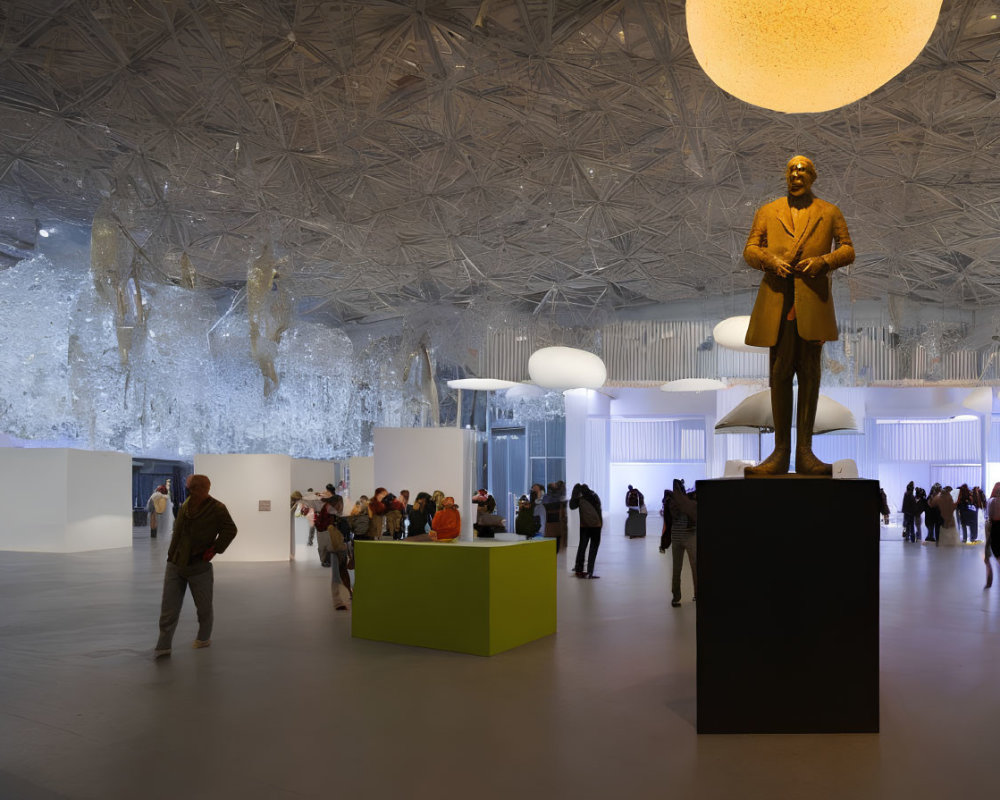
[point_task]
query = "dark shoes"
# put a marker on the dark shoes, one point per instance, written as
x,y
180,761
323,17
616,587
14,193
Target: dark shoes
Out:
x,y
675,603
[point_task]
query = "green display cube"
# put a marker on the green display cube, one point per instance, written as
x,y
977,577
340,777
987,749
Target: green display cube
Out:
x,y
480,597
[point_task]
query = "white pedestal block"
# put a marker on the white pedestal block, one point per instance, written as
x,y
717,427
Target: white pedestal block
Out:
x,y
57,500
425,459
256,490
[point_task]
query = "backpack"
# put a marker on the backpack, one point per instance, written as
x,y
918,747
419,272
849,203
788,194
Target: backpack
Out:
x,y
159,503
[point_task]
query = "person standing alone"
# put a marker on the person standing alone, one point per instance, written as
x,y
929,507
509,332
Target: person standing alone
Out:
x,y
683,538
202,530
591,520
161,512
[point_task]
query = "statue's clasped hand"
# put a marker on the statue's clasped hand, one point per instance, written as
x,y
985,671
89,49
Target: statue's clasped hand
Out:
x,y
781,268
811,267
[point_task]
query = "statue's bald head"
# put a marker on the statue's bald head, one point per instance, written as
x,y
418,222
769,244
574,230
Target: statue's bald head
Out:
x,y
802,162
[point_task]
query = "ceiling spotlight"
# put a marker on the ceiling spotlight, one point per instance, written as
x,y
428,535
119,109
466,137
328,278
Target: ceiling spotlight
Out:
x,y
43,233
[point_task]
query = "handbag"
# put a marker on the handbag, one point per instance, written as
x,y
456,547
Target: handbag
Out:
x,y
337,543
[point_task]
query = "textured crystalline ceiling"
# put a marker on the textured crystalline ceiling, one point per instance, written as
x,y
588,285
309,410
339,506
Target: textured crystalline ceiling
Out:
x,y
253,176
554,155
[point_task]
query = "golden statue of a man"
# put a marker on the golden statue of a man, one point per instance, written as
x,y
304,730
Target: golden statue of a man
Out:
x,y
796,241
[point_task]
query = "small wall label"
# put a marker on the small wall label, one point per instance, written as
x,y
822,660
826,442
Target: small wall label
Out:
x,y
263,505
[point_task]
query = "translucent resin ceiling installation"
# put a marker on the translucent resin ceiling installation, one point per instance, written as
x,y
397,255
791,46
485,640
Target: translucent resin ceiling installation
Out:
x,y
807,55
297,220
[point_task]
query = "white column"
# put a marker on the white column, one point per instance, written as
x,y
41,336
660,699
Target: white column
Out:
x,y
587,414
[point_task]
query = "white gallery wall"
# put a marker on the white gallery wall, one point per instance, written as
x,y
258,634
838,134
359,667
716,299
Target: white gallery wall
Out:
x,y
256,490
425,459
58,500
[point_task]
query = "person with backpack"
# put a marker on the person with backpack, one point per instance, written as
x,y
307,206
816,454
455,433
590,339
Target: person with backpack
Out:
x,y
634,499
586,501
334,540
526,523
161,512
683,537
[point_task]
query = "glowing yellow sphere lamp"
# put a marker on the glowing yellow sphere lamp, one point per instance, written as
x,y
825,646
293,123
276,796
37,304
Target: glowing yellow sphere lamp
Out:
x,y
810,55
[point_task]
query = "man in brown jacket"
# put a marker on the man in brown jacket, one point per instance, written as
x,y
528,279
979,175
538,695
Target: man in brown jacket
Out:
x,y
202,530
796,241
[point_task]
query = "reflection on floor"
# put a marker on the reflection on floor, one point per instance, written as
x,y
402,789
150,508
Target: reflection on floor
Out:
x,y
286,705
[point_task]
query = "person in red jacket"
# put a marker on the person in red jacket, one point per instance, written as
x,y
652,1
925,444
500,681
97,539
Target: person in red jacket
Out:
x,y
447,523
445,527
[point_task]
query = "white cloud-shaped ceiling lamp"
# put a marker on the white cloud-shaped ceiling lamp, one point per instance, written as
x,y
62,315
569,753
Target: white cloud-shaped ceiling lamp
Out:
x,y
693,385
562,368
481,384
732,333
524,391
811,55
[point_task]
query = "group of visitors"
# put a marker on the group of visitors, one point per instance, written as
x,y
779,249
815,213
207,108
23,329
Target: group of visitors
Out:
x,y
432,516
943,514
543,510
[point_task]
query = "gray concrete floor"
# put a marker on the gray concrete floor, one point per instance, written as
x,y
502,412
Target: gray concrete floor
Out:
x,y
286,705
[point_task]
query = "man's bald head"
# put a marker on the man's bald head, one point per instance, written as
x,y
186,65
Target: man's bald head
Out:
x,y
803,162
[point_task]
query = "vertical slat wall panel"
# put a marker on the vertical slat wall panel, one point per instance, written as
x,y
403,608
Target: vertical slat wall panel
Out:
x,y
930,441
656,351
657,440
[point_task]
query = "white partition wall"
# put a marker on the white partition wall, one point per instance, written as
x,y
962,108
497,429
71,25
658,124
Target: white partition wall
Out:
x,y
425,459
362,476
307,472
256,489
65,501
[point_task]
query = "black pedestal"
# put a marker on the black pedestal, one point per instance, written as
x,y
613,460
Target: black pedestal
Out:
x,y
788,605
